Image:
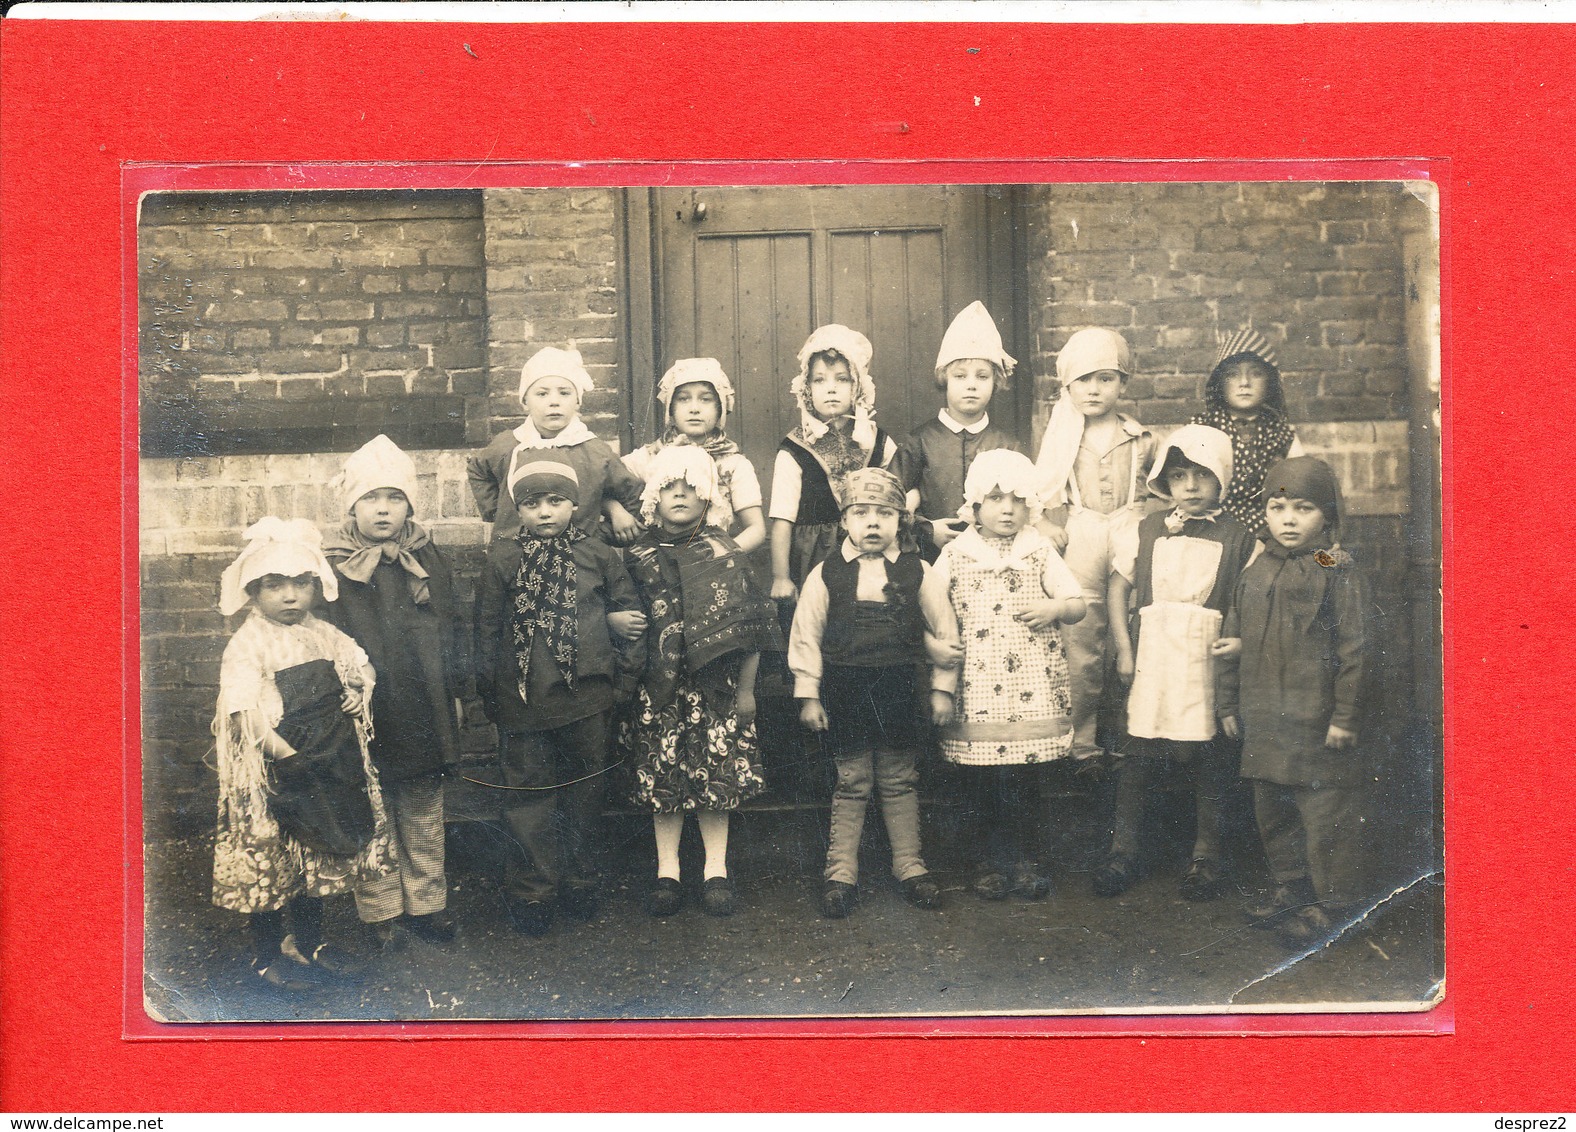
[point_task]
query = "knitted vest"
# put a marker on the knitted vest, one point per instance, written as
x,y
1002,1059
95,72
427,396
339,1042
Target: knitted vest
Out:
x,y
871,634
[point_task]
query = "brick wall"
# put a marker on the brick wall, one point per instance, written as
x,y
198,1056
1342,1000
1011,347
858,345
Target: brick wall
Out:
x,y
1316,268
309,321
552,280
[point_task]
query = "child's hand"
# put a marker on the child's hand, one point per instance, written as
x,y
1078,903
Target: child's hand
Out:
x,y
943,532
813,715
1041,614
943,653
1340,739
459,713
1057,535
744,706
940,708
1226,646
628,624
1229,725
783,589
350,701
1124,668
626,528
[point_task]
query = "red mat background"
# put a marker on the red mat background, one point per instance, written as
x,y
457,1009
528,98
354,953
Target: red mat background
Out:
x,y
1493,104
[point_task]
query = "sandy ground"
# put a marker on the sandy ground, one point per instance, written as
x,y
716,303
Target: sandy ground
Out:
x,y
776,957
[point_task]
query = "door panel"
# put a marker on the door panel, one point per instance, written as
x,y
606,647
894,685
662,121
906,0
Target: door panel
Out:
x,y
744,275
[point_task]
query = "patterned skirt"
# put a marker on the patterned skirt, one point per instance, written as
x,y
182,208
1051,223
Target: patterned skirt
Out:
x,y
686,756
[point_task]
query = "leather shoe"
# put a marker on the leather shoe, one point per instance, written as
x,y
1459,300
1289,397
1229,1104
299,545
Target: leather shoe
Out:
x,y
837,899
921,891
666,898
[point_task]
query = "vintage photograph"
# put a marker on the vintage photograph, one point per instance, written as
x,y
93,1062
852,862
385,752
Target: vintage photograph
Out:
x,y
809,601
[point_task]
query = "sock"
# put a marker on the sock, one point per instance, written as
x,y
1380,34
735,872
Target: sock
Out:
x,y
668,828
714,836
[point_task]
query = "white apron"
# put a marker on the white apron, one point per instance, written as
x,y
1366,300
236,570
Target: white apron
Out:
x,y
1173,694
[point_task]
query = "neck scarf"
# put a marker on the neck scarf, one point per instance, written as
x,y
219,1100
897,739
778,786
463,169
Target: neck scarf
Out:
x,y
837,449
358,556
1179,519
999,553
1255,445
575,432
716,443
544,601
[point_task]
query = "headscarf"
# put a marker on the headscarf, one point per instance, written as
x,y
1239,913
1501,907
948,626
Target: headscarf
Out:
x,y
874,486
1003,469
679,462
550,361
378,463
1087,351
287,547
855,349
1255,443
716,444
1198,444
973,334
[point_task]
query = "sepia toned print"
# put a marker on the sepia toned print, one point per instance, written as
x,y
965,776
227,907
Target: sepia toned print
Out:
x,y
867,746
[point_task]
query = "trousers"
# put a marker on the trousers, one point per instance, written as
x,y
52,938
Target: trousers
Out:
x,y
1311,832
894,776
556,820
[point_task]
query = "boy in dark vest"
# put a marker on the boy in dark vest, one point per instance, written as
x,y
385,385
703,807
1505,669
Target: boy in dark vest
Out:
x,y
868,617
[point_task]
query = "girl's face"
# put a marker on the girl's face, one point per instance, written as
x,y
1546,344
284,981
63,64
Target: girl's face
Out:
x,y
552,403
1293,522
1096,394
970,383
831,388
695,410
1193,488
679,505
546,514
871,527
1002,514
381,513
1244,385
283,600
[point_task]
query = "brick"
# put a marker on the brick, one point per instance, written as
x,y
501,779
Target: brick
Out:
x,y
300,388
380,284
1340,384
435,307
469,382
250,338
367,360
385,385
1125,289
386,334
460,357
427,281
205,364
440,233
429,380
295,334
1087,314
338,283
508,244
345,385
569,225
1218,237
336,310
1344,232
379,257
1381,283
1338,283
1342,334
1365,257
247,310
339,335
291,259
330,235
303,360
1170,312
1385,380
465,281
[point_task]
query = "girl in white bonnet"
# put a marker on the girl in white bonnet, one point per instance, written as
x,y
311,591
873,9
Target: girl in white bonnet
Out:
x,y
696,398
1013,712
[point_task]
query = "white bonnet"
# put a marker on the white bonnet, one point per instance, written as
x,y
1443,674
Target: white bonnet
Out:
x,y
377,463
853,347
1199,444
1001,468
550,361
1093,348
288,547
687,370
973,334
688,462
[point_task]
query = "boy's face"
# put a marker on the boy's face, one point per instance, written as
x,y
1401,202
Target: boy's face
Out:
x,y
831,388
695,409
970,383
285,600
1193,488
1096,394
1002,514
552,403
381,513
1244,385
545,514
679,505
871,527
1294,522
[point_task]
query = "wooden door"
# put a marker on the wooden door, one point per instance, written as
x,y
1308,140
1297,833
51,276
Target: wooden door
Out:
x,y
744,275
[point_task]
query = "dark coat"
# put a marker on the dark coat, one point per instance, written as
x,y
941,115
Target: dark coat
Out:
x,y
417,653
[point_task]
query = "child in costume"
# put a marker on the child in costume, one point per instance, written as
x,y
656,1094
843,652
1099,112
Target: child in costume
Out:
x,y
1243,399
549,673
859,636
696,398
971,366
1295,695
836,436
1180,577
552,385
300,812
1013,712
691,731
396,600
1095,461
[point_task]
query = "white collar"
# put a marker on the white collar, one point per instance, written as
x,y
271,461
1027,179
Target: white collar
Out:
x,y
851,552
573,433
973,544
954,425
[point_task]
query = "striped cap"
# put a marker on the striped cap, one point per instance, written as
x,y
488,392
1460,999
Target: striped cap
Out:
x,y
1244,341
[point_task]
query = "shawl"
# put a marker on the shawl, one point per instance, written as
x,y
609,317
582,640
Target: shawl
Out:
x,y
998,553
358,556
544,600
1256,445
838,451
